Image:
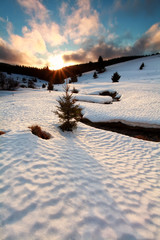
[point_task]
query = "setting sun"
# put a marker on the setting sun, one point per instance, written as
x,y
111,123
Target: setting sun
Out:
x,y
56,62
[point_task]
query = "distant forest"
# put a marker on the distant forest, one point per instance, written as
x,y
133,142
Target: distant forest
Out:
x,y
58,76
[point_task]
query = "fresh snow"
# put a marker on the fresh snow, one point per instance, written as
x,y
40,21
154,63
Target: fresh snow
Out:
x,y
93,99
89,184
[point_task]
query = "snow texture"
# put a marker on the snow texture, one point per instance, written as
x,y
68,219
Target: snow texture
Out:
x,y
90,184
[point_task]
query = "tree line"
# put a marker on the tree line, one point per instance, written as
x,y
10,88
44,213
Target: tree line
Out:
x,y
58,76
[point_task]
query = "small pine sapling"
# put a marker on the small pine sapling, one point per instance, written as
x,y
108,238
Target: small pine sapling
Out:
x,y
115,77
69,113
141,67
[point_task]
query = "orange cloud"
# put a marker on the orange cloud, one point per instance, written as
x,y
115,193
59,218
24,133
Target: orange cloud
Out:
x,y
34,39
15,56
149,42
31,42
153,35
82,26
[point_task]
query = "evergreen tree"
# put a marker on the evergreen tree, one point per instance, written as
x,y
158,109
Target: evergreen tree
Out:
x,y
69,113
115,77
101,65
141,67
100,60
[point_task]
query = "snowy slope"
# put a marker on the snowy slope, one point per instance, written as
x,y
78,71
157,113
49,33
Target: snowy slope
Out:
x,y
140,90
90,184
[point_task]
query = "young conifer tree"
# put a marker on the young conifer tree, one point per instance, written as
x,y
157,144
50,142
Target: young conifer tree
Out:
x,y
115,77
69,113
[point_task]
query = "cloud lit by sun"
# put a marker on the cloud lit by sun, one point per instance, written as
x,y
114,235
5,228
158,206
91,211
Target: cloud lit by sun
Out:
x,y
80,35
56,62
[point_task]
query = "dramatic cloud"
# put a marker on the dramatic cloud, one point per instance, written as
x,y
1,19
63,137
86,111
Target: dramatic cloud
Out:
x,y
31,46
82,23
77,56
20,50
41,38
100,49
13,56
148,43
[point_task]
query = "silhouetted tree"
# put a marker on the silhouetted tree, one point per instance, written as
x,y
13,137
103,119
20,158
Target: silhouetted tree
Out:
x,y
100,60
141,67
115,77
101,65
50,86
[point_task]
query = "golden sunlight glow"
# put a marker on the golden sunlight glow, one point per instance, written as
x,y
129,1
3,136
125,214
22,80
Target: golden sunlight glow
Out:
x,y
56,62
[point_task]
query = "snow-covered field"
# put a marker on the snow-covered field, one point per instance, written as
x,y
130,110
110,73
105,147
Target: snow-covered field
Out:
x,y
89,184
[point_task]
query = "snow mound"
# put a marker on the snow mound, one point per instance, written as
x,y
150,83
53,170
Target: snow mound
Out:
x,y
94,99
111,91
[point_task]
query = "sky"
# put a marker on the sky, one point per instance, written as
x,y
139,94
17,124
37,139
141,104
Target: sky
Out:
x,y
57,33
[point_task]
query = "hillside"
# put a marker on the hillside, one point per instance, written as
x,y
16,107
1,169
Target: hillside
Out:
x,y
89,184
58,76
